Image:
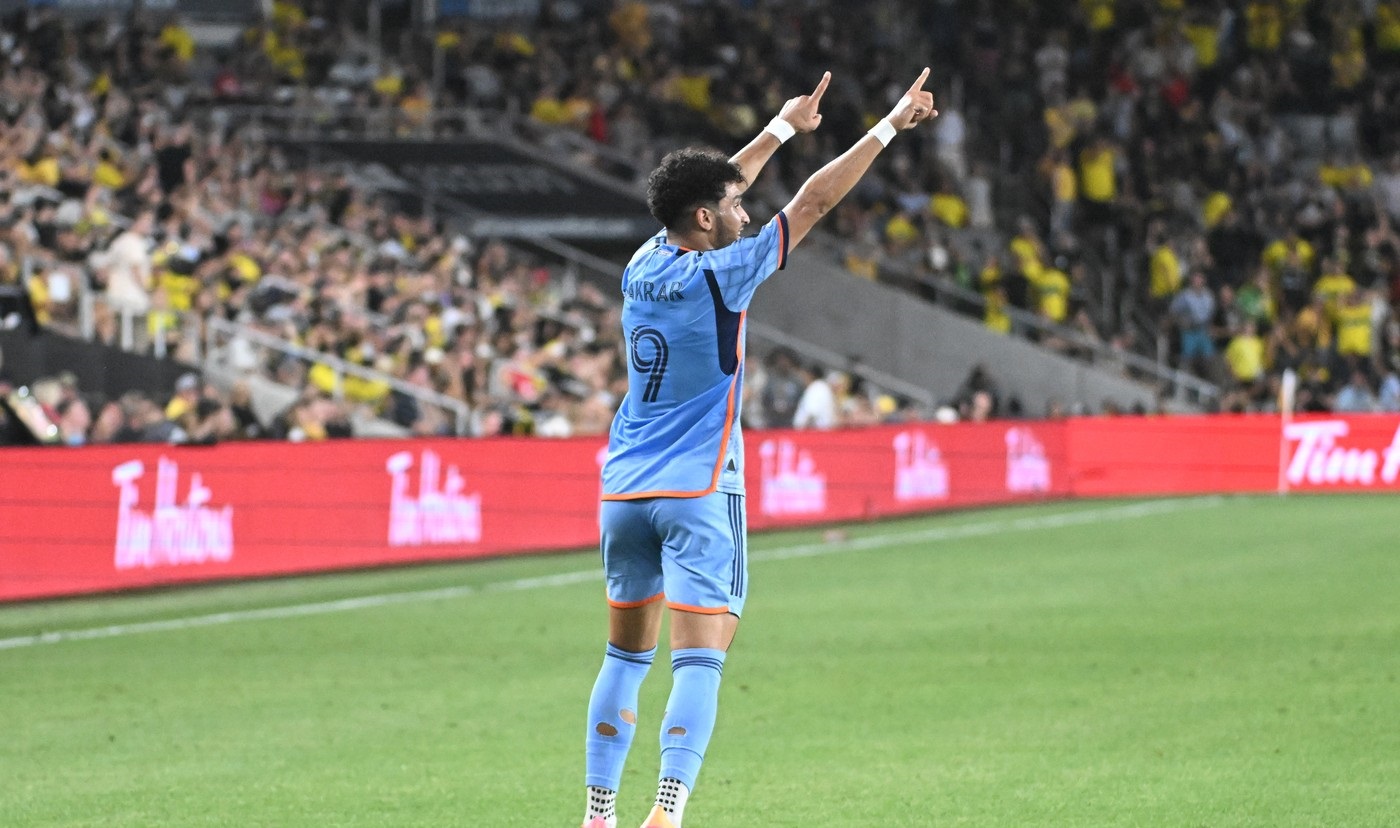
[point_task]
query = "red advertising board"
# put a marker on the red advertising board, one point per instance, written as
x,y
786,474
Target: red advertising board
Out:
x,y
1223,454
796,477
80,520
119,517
1342,453
1174,455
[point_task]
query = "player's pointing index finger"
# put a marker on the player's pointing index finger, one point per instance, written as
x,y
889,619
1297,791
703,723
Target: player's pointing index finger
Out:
x,y
821,88
919,84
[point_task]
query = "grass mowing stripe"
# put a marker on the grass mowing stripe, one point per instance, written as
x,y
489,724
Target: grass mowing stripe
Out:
x,y
969,530
214,619
974,530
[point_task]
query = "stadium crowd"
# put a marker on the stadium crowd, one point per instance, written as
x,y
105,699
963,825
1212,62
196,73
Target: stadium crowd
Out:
x,y
115,189
1226,174
1157,142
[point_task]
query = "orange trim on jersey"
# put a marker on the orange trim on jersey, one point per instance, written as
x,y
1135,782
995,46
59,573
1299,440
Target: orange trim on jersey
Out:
x,y
660,493
724,438
634,604
729,406
698,610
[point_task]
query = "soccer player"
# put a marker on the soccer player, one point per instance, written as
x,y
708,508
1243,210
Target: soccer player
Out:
x,y
673,520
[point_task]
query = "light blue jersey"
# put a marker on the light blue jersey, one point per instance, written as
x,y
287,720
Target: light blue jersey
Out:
x,y
677,432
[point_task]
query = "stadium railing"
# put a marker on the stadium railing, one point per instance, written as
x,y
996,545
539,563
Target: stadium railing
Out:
x,y
136,332
223,340
1181,385
214,343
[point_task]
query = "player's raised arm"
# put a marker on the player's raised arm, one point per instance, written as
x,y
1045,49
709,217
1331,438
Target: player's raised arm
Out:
x,y
830,184
797,115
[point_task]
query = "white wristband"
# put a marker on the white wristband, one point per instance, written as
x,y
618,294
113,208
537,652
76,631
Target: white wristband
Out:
x,y
780,129
883,132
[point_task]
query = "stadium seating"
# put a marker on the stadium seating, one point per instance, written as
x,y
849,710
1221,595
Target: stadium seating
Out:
x,y
1090,157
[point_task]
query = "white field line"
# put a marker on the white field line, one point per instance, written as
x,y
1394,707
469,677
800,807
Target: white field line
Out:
x,y
806,550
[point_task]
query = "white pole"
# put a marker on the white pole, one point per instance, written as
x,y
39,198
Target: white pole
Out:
x,y
1288,388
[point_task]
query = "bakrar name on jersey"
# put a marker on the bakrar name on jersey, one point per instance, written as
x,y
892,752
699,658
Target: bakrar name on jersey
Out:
x,y
640,291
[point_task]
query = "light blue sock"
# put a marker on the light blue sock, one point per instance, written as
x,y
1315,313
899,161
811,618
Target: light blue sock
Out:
x,y
612,715
690,712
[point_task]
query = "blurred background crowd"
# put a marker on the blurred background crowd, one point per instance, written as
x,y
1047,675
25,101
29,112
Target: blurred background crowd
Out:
x,y
1212,184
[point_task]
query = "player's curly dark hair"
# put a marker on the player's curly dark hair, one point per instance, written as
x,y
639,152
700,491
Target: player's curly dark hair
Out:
x,y
686,179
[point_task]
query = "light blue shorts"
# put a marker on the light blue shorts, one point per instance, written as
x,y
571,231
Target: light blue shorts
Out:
x,y
691,552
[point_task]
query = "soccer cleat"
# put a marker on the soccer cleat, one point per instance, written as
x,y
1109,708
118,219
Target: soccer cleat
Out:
x,y
658,818
596,822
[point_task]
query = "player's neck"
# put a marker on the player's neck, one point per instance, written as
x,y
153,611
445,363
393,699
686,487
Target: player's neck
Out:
x,y
690,239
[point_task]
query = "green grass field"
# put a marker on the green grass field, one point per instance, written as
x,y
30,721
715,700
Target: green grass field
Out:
x,y
1207,662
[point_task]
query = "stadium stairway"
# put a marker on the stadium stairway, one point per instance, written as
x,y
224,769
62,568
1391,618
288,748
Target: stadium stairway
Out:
x,y
931,346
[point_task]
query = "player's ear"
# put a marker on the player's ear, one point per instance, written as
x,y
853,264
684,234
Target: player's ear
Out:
x,y
704,218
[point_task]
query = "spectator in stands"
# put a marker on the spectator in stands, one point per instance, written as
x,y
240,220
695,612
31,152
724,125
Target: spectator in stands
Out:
x,y
948,207
1357,396
979,408
1389,397
240,404
950,135
1165,276
755,380
1354,321
979,381
108,422
1333,285
856,404
782,390
1388,188
311,418
1063,192
16,301
209,422
554,416
1099,164
817,407
995,317
1389,350
74,420
1291,259
1255,301
1234,247
174,159
125,268
187,393
1246,354
143,421
1052,290
1192,311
